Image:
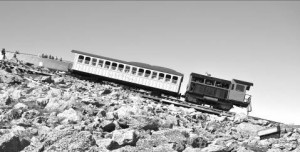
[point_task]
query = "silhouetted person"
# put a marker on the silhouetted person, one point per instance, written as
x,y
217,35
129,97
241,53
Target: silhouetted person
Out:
x,y
3,53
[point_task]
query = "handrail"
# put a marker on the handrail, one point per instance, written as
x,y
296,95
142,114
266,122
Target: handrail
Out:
x,y
248,100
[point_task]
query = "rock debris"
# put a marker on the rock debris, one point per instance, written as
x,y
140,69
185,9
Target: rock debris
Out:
x,y
65,113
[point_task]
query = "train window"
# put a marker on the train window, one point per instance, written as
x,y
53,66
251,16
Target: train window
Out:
x,y
121,67
222,85
240,88
209,82
198,80
168,78
232,86
107,65
127,69
94,61
226,86
87,60
174,80
147,74
161,76
100,63
154,75
141,72
219,84
134,69
80,58
114,66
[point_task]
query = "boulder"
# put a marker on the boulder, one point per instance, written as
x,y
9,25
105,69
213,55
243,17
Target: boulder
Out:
x,y
70,115
240,117
9,78
215,148
169,122
30,114
198,142
108,126
55,104
20,106
127,111
59,80
248,129
125,137
47,79
11,143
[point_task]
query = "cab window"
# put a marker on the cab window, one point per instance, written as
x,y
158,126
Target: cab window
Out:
x,y
141,72
107,65
147,74
114,66
174,79
198,80
134,69
87,60
94,62
121,67
161,76
100,63
168,78
209,82
127,69
154,75
240,88
80,58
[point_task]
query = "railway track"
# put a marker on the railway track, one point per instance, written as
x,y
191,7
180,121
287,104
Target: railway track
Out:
x,y
177,102
185,104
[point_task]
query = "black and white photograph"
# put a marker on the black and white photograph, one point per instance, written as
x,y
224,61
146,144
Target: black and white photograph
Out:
x,y
149,76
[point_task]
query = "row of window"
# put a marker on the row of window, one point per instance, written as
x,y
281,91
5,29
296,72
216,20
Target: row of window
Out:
x,y
219,84
211,82
127,69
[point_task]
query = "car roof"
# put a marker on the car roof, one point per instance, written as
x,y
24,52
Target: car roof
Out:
x,y
137,64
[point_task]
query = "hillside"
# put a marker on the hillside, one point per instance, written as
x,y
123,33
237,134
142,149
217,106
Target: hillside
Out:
x,y
64,113
35,60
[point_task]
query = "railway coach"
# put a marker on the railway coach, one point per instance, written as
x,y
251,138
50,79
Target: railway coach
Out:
x,y
157,79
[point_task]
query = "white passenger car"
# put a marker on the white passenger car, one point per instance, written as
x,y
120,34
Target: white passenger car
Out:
x,y
155,78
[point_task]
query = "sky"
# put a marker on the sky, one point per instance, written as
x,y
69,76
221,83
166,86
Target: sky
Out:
x,y
254,41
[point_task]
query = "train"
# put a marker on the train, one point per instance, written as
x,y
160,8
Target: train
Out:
x,y
201,89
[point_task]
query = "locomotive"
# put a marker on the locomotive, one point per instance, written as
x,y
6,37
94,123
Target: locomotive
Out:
x,y
201,89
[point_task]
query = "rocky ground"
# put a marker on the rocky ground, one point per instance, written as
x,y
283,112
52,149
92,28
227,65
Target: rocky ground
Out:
x,y
64,113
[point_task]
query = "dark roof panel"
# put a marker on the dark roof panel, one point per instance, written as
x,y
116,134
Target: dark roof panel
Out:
x,y
138,64
243,82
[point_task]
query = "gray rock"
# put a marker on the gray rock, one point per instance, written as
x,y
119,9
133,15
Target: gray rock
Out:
x,y
108,126
30,114
240,117
12,143
47,79
20,106
248,129
215,148
59,80
125,137
70,115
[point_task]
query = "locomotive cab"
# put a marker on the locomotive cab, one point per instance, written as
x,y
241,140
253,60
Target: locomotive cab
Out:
x,y
237,92
218,93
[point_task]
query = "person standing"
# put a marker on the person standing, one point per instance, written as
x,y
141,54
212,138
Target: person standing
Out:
x,y
3,53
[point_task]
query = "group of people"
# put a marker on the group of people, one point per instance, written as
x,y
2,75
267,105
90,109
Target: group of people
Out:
x,y
50,57
3,52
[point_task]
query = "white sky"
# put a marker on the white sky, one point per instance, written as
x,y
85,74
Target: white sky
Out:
x,y
256,41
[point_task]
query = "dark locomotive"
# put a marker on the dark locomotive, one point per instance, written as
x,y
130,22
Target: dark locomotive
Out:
x,y
201,89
